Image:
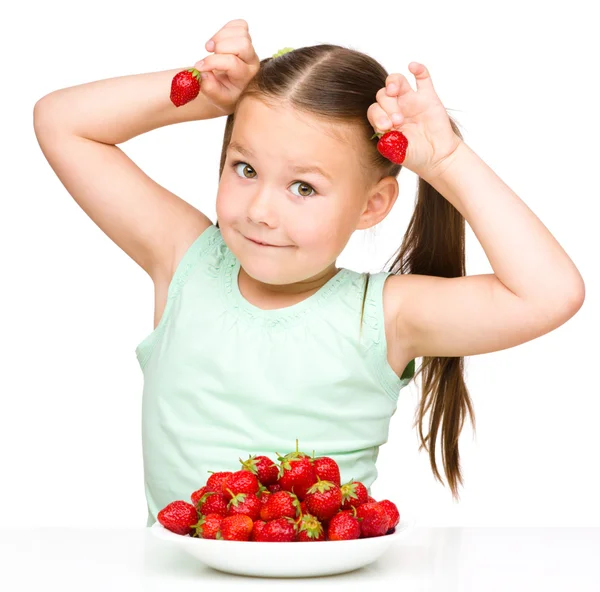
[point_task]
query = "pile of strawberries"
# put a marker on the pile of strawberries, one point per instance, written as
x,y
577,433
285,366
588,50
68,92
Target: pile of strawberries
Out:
x,y
299,499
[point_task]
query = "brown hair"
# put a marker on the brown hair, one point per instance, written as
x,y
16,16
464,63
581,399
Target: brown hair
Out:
x,y
337,85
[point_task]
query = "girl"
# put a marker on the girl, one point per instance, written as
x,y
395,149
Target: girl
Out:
x,y
258,337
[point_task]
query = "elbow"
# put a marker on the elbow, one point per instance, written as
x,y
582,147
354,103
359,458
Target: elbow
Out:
x,y
571,302
550,314
577,298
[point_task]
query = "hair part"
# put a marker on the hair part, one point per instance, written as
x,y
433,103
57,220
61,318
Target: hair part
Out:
x,y
336,85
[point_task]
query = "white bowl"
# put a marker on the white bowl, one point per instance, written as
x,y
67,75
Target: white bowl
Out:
x,y
285,560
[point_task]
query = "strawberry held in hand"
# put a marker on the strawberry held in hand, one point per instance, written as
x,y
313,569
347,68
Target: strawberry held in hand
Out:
x,y
185,86
413,127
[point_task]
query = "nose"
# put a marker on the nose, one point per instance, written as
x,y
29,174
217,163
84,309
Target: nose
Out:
x,y
261,208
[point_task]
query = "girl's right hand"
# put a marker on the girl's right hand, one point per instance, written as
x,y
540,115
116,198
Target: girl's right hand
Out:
x,y
231,67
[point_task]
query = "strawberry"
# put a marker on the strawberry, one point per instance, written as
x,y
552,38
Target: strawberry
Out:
x,y
274,487
215,481
327,469
178,517
263,467
263,494
257,529
208,526
344,526
354,493
392,145
239,482
375,521
303,508
185,86
244,503
372,500
310,529
282,530
280,505
235,528
212,503
392,511
198,494
324,499
296,473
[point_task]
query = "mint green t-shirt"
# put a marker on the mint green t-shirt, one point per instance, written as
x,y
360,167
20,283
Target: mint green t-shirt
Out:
x,y
224,379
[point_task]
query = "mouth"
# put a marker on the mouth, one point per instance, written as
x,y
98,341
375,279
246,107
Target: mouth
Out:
x,y
262,244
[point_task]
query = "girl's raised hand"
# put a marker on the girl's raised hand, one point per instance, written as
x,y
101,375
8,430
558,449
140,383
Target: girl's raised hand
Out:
x,y
420,116
227,72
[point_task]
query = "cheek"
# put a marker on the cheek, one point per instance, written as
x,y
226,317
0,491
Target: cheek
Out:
x,y
318,233
225,204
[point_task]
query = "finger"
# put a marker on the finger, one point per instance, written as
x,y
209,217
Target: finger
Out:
x,y
236,28
397,85
239,46
379,118
386,102
422,76
235,69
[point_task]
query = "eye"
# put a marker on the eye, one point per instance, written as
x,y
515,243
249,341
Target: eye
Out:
x,y
235,164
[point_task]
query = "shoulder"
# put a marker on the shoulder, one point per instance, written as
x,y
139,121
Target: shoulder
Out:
x,y
197,230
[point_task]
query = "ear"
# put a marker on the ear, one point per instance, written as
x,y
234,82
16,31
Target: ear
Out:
x,y
379,202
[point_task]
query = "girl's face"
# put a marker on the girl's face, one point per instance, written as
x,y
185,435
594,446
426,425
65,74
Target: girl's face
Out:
x,y
265,195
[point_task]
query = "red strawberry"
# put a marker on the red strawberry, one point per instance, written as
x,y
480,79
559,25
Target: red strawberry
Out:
x,y
245,503
255,535
297,474
208,526
392,511
235,528
275,487
185,86
263,494
392,145
178,517
198,494
215,481
310,529
263,467
375,521
212,503
324,500
281,530
303,508
327,469
354,493
343,527
372,500
280,505
240,482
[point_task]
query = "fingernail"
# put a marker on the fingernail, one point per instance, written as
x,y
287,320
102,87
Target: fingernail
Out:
x,y
385,122
200,64
391,88
396,117
210,45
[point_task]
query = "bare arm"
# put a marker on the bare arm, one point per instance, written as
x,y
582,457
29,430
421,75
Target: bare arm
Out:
x,y
115,110
534,289
78,128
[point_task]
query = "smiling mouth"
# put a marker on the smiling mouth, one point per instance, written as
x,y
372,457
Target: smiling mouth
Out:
x,y
263,244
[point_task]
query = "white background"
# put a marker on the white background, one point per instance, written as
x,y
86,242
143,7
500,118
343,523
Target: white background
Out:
x,y
520,79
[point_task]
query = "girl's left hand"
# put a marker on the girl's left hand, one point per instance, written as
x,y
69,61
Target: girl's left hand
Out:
x,y
420,116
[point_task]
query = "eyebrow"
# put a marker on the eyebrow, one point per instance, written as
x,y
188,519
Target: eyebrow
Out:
x,y
297,168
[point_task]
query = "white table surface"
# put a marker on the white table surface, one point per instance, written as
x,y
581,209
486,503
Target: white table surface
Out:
x,y
436,559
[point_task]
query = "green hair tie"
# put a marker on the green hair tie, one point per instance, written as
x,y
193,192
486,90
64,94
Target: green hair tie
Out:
x,y
282,51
